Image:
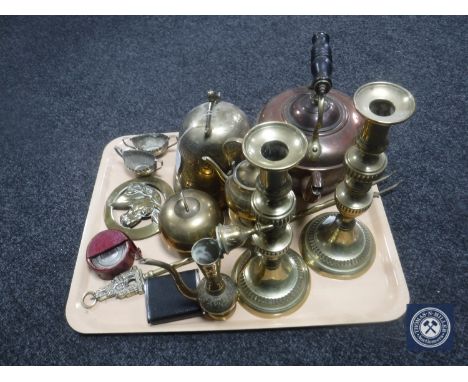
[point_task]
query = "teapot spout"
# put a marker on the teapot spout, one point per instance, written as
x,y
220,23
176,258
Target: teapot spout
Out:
x,y
223,176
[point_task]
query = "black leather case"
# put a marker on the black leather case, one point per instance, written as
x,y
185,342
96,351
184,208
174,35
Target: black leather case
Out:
x,y
164,302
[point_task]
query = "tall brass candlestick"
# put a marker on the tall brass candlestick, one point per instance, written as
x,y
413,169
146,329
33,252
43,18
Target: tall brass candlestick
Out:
x,y
272,279
337,245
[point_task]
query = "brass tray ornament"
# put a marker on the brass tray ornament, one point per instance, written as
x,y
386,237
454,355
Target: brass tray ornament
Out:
x,y
141,199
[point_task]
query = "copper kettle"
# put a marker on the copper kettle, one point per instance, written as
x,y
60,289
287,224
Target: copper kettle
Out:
x,y
326,116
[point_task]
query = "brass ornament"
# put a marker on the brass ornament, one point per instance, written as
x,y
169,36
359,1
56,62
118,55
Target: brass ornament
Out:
x,y
272,278
141,199
337,245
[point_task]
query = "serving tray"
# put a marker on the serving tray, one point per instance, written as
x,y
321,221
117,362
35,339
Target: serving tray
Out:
x,y
381,294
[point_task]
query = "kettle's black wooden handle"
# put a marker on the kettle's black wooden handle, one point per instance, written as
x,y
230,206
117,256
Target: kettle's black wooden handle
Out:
x,y
321,63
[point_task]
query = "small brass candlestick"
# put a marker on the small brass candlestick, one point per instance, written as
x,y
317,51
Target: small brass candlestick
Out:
x,y
337,245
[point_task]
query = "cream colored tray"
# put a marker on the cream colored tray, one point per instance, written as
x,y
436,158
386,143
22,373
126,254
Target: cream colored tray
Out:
x,y
379,295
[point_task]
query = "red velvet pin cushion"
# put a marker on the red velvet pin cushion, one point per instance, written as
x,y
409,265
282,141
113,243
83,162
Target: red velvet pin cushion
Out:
x,y
110,253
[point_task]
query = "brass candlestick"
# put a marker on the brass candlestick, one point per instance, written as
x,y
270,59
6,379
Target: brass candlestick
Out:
x,y
272,279
337,245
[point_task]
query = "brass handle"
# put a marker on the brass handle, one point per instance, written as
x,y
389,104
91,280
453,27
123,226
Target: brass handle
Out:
x,y
160,272
232,150
314,148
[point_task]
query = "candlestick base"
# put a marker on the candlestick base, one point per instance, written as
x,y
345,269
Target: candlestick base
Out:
x,y
271,291
335,249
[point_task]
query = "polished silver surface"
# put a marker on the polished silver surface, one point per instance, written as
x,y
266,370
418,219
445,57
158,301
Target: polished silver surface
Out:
x,y
127,284
141,163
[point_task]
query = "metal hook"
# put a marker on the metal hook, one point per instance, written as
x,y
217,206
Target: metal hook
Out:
x,y
93,299
161,271
387,190
385,177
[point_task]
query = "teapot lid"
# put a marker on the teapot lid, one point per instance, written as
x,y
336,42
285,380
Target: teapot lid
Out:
x,y
216,118
208,126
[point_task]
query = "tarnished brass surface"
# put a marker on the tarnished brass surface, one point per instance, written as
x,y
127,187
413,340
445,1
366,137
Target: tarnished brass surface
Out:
x,y
142,199
239,186
271,290
217,292
204,131
336,245
332,251
187,217
273,279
